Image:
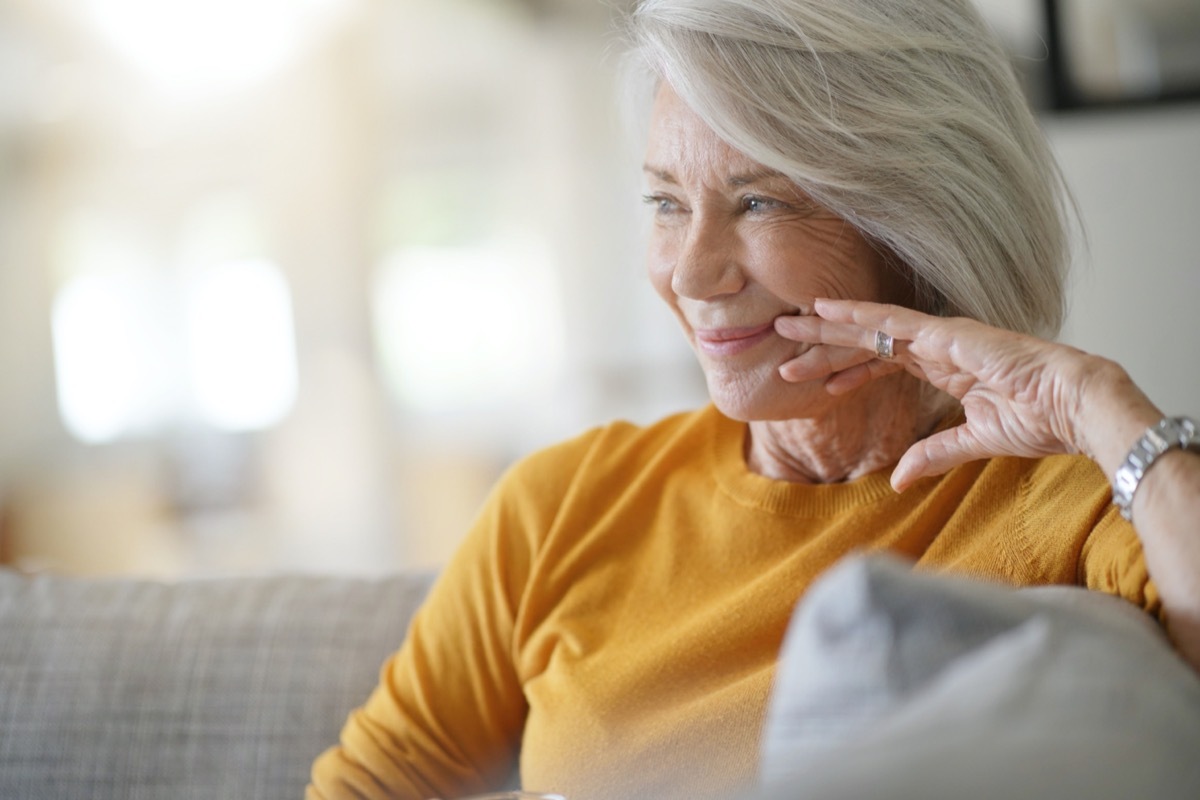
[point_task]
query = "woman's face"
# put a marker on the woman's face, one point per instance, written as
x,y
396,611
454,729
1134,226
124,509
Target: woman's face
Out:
x,y
735,245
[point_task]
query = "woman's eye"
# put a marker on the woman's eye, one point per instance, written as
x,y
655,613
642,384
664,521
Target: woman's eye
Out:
x,y
755,204
661,204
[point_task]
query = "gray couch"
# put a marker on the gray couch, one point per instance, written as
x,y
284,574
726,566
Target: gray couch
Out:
x,y
223,688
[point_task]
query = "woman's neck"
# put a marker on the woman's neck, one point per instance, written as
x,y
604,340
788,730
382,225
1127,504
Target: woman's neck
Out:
x,y
861,433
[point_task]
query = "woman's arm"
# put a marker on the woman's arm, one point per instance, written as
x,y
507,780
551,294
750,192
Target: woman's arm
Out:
x,y
1023,397
1166,505
446,718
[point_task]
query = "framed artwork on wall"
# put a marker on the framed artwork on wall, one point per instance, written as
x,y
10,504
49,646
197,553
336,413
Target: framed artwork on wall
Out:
x,y
1121,53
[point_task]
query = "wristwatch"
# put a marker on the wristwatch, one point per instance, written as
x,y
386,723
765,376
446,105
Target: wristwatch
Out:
x,y
1170,432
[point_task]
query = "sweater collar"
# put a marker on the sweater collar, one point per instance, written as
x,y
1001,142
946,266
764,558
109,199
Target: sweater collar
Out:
x,y
728,465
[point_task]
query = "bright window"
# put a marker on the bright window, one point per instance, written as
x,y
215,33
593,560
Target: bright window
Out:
x,y
468,327
240,345
107,355
138,350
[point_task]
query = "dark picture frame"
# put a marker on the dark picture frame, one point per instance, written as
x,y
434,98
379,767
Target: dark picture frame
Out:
x,y
1121,53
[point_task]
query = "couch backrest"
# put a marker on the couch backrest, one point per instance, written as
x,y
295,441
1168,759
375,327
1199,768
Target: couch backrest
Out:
x,y
223,688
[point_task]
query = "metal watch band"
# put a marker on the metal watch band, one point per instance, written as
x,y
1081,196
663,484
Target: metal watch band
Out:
x,y
1168,433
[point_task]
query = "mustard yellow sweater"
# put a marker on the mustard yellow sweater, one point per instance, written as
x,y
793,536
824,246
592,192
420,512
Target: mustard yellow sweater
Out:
x,y
615,614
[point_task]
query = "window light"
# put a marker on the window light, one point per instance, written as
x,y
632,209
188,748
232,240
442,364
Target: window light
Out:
x,y
240,347
467,327
126,365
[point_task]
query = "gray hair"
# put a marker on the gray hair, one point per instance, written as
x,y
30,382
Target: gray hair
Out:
x,y
904,118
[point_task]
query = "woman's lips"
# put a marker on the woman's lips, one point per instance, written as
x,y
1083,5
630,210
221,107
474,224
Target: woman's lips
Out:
x,y
727,342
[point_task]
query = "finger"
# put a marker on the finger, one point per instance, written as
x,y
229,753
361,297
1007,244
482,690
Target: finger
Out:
x,y
934,455
814,330
850,379
810,329
896,321
934,340
821,361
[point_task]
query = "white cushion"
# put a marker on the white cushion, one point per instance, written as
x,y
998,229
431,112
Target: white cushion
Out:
x,y
902,684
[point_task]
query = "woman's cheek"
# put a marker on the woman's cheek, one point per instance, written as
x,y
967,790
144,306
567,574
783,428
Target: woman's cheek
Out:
x,y
799,268
783,267
660,263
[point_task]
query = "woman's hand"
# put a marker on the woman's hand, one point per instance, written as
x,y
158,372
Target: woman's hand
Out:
x,y
1022,396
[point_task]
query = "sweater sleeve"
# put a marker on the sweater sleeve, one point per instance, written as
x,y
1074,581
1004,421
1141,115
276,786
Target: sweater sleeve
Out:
x,y
447,716
1068,519
1113,562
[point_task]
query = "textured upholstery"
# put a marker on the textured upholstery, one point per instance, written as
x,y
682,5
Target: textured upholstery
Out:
x,y
224,688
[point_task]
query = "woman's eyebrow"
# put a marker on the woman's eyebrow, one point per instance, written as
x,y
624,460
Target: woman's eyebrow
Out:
x,y
764,174
744,179
661,174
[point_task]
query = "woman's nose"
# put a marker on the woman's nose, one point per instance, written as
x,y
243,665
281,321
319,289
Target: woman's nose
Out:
x,y
706,266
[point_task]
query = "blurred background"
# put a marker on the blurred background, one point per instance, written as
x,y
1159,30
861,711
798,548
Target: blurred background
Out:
x,y
285,285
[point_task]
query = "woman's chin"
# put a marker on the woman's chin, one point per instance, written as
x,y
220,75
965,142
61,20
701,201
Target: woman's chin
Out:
x,y
769,399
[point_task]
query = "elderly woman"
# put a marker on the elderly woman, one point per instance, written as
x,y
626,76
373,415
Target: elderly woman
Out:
x,y
861,231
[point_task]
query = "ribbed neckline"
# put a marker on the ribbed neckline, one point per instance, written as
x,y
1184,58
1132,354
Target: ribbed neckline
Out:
x,y
728,465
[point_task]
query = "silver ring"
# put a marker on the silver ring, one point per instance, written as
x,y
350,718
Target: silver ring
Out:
x,y
885,346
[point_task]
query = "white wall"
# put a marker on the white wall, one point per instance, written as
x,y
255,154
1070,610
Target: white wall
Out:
x,y
1136,290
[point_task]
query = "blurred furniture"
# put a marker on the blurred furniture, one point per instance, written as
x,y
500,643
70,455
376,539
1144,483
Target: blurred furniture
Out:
x,y
219,688
5,533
